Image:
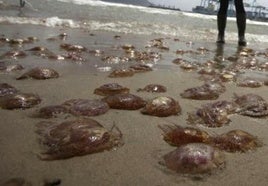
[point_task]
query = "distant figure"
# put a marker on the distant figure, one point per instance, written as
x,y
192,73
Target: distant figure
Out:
x,y
240,20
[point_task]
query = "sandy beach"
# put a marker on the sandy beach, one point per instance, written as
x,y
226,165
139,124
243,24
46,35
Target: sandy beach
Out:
x,y
137,161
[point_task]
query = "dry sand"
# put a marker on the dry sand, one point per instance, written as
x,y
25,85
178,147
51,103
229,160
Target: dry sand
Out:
x,y
137,162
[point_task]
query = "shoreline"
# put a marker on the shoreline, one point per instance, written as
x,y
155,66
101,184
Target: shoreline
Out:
x,y
137,161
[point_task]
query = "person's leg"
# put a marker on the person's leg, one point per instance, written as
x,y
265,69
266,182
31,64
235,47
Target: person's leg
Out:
x,y
22,3
221,20
241,22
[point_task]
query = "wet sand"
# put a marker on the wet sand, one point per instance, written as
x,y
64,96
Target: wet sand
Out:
x,y
137,162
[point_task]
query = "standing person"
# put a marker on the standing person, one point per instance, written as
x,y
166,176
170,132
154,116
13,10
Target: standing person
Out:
x,y
240,20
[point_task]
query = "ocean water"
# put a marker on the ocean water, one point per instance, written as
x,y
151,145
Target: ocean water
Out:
x,y
97,15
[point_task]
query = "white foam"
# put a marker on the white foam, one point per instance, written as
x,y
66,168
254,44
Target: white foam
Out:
x,y
159,11
50,22
257,22
192,14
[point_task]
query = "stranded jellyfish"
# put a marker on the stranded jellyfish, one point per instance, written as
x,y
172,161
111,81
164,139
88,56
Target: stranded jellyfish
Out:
x,y
51,111
19,100
74,48
76,138
14,54
232,141
85,107
10,68
153,88
194,158
251,105
6,89
176,135
213,114
110,89
125,101
162,106
40,73
43,52
77,107
140,68
236,140
210,90
121,73
251,83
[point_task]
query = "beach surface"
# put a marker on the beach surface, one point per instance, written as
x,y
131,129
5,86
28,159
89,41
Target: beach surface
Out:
x,y
137,161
